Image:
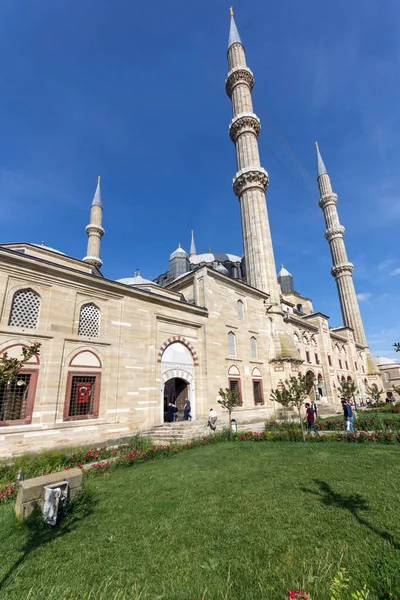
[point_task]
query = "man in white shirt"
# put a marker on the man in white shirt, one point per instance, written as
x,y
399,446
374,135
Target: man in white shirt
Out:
x,y
212,419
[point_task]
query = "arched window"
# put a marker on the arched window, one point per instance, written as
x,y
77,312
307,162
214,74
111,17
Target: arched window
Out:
x,y
17,397
387,377
305,339
313,342
89,321
234,381
295,338
240,310
344,350
337,349
254,349
299,307
349,379
231,344
83,387
25,309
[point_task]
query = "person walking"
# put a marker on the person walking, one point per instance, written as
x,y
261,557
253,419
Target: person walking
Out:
x,y
170,412
348,416
186,411
314,407
310,418
175,412
212,419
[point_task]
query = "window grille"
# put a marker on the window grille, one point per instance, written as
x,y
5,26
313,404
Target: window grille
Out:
x,y
316,359
234,386
81,400
340,364
347,365
89,321
308,356
13,398
231,344
253,345
25,309
240,309
257,392
329,360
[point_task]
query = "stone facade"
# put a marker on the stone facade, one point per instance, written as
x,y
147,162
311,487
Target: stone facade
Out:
x,y
110,349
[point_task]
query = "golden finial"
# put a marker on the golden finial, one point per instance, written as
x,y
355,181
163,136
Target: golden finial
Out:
x,y
98,180
317,147
231,12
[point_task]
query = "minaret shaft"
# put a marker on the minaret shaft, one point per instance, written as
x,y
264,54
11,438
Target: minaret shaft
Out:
x,y
95,230
342,269
251,180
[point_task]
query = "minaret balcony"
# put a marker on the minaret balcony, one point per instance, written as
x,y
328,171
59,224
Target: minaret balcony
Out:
x,y
328,200
244,122
334,232
236,76
250,178
93,260
343,269
96,229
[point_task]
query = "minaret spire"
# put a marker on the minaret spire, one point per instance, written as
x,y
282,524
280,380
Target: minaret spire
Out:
x,y
342,269
250,184
192,246
95,230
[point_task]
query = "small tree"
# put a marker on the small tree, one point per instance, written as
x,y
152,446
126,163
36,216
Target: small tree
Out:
x,y
228,399
294,392
347,389
9,367
397,347
396,389
375,392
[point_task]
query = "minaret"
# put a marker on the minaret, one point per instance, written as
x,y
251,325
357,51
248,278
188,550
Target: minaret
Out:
x,y
251,180
342,269
249,185
192,247
95,230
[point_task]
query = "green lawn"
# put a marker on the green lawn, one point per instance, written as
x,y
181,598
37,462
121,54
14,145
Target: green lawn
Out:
x,y
231,521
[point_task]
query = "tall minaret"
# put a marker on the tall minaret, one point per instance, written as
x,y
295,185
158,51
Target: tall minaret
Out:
x,y
95,230
250,184
251,180
342,269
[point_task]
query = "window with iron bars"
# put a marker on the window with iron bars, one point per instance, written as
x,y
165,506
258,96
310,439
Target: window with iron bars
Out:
x,y
89,320
234,386
257,392
82,395
13,398
25,309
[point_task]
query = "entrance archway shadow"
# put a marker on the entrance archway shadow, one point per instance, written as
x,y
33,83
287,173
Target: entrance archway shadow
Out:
x,y
353,503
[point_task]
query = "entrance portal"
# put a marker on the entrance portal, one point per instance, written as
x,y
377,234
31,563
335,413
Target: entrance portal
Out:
x,y
176,391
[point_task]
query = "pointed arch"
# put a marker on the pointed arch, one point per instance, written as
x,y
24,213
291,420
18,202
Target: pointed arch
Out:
x,y
231,344
25,308
178,338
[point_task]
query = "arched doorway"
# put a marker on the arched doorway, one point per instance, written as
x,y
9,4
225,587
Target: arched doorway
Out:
x,y
176,391
177,376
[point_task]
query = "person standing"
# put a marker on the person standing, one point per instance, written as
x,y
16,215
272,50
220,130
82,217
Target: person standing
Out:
x,y
170,412
212,419
314,407
186,411
348,416
310,418
175,411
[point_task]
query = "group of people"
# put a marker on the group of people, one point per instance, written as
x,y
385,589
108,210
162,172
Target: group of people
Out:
x,y
172,412
311,416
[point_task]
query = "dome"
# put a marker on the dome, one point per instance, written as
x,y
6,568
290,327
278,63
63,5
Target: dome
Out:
x,y
48,248
284,272
179,253
382,360
222,269
138,280
209,257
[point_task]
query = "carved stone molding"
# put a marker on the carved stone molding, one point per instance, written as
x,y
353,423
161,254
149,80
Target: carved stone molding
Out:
x,y
251,177
334,232
327,200
343,269
238,75
244,122
93,260
96,229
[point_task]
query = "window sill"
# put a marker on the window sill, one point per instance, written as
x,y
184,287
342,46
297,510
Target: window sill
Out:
x,y
233,358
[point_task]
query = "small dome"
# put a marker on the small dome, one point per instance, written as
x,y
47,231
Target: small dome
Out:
x,y
138,280
209,258
222,269
284,272
179,253
382,360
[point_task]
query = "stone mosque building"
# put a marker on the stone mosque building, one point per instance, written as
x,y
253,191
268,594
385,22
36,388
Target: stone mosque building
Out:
x,y
114,352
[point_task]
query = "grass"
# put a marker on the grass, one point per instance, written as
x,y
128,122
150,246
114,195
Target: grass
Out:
x,y
231,521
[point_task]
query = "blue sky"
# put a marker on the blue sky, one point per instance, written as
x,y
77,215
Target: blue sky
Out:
x,y
135,92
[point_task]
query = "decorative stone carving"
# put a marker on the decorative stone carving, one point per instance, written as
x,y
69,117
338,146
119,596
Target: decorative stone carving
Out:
x,y
334,232
251,177
327,200
244,122
343,269
238,75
